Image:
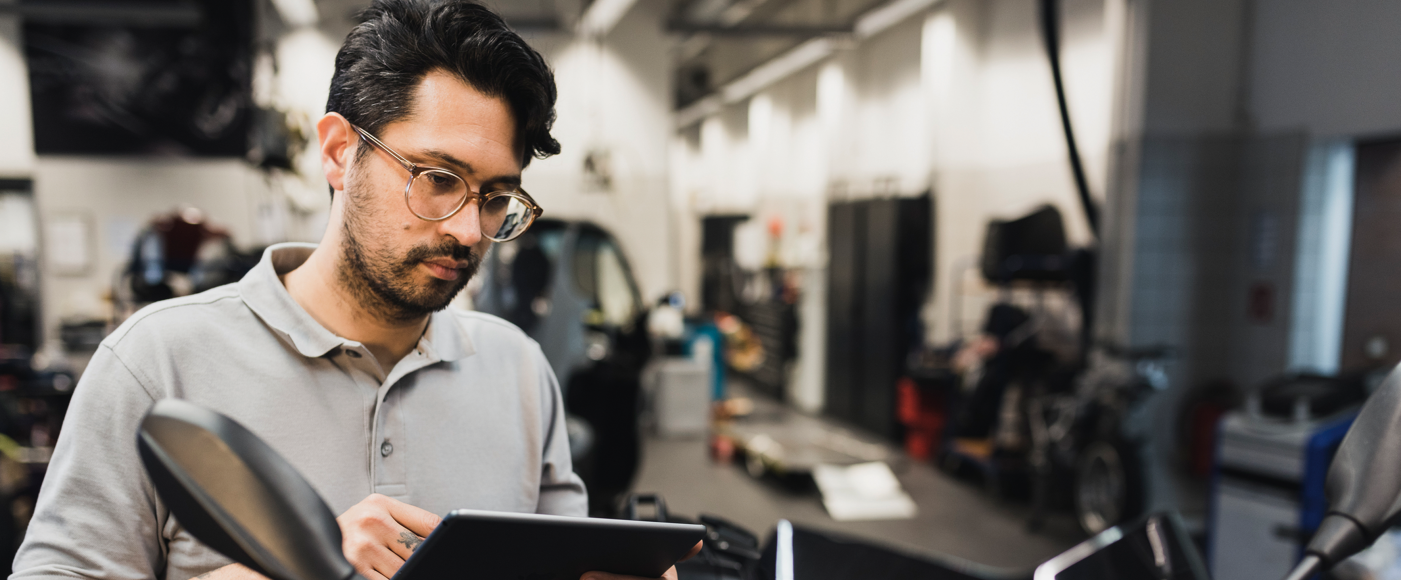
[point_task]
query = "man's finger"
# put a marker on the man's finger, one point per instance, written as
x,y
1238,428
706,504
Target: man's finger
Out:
x,y
369,571
669,575
416,519
385,563
405,545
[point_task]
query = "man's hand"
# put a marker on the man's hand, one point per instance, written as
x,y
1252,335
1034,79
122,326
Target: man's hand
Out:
x,y
381,532
669,575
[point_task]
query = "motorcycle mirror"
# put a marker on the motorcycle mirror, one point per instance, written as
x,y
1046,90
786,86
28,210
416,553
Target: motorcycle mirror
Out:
x,y
238,496
1363,484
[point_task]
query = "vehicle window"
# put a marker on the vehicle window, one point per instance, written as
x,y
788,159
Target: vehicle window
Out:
x,y
615,295
602,277
585,266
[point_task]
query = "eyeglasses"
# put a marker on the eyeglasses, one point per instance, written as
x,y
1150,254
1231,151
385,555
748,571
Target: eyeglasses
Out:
x,y
435,194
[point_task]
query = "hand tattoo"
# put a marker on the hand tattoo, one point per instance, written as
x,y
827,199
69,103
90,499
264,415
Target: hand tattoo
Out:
x,y
409,541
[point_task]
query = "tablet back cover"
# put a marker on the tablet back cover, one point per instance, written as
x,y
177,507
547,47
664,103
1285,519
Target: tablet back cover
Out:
x,y
480,544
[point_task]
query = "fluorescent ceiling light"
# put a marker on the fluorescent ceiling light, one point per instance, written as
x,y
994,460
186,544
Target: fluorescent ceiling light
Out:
x,y
297,13
602,15
799,58
698,111
739,11
796,59
889,14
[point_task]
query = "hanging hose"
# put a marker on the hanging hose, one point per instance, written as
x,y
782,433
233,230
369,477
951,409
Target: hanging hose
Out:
x,y
1084,270
1050,28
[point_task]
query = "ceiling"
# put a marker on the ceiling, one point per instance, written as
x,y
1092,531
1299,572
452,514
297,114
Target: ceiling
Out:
x,y
339,15
717,40
723,39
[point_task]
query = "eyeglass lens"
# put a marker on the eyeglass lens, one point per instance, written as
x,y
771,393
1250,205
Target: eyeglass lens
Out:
x,y
436,194
506,215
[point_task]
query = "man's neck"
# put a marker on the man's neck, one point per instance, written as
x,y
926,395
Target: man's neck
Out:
x,y
316,287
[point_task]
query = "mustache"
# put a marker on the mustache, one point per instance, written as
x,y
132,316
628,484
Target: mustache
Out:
x,y
447,249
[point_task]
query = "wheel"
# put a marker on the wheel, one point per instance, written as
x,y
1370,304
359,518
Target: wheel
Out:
x,y
1108,485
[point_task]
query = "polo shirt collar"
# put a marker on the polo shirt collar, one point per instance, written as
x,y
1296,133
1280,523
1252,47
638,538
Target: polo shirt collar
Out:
x,y
264,293
445,339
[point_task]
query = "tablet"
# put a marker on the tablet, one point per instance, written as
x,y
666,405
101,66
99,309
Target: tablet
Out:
x,y
481,544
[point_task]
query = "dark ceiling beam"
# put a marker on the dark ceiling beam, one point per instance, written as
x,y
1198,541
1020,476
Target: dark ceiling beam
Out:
x,y
543,23
759,30
154,15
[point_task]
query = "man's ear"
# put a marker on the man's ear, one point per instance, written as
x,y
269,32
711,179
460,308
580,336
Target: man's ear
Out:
x,y
338,143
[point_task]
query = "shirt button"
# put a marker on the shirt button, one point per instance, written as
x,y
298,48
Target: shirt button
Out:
x,y
385,449
352,353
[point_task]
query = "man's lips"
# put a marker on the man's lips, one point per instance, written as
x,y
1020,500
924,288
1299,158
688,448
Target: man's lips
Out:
x,y
445,268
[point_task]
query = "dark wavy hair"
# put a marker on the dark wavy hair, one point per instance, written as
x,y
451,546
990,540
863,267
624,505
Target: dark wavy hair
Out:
x,y
399,41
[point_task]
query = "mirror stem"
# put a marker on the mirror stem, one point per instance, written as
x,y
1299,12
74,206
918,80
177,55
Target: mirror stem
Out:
x,y
1310,565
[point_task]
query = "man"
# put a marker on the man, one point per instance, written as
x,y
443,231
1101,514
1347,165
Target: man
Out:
x,y
340,355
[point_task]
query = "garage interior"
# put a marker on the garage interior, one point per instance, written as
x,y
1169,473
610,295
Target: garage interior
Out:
x,y
963,282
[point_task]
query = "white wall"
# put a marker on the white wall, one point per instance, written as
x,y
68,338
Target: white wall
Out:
x,y
614,97
16,130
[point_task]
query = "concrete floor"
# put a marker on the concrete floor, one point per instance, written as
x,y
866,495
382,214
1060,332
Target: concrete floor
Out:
x,y
956,519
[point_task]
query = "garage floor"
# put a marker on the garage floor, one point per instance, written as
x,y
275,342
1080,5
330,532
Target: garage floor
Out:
x,y
956,518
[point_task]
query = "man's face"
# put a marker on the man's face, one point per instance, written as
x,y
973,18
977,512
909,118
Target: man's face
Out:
x,y
394,262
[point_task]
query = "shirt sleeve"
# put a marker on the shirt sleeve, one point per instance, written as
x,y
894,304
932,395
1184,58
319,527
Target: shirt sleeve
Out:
x,y
97,515
561,490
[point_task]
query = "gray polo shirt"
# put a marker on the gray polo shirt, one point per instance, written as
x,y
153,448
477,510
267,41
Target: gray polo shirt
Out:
x,y
472,418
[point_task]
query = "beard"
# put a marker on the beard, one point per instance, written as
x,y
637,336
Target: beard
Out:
x,y
382,280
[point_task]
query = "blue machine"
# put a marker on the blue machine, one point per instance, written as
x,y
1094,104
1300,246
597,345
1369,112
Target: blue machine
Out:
x,y
1267,491
697,334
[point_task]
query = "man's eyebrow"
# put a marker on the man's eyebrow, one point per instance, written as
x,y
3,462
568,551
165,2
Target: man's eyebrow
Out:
x,y
444,158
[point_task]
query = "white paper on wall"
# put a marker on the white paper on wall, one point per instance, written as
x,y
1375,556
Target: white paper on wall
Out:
x,y
66,244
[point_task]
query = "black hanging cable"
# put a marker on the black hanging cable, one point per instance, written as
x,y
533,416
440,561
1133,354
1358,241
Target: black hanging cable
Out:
x,y
1083,269
1050,29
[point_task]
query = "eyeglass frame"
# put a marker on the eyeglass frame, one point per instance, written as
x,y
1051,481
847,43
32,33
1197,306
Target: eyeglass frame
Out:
x,y
416,170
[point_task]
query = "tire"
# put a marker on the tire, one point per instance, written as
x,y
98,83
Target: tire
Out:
x,y
1108,485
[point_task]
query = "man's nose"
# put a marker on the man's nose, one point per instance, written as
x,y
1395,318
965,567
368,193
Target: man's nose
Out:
x,y
465,225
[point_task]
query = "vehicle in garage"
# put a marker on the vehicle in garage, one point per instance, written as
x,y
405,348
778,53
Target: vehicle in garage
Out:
x,y
568,285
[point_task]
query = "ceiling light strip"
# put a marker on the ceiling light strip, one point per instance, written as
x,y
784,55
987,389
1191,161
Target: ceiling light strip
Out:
x,y
698,111
602,16
797,59
888,15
